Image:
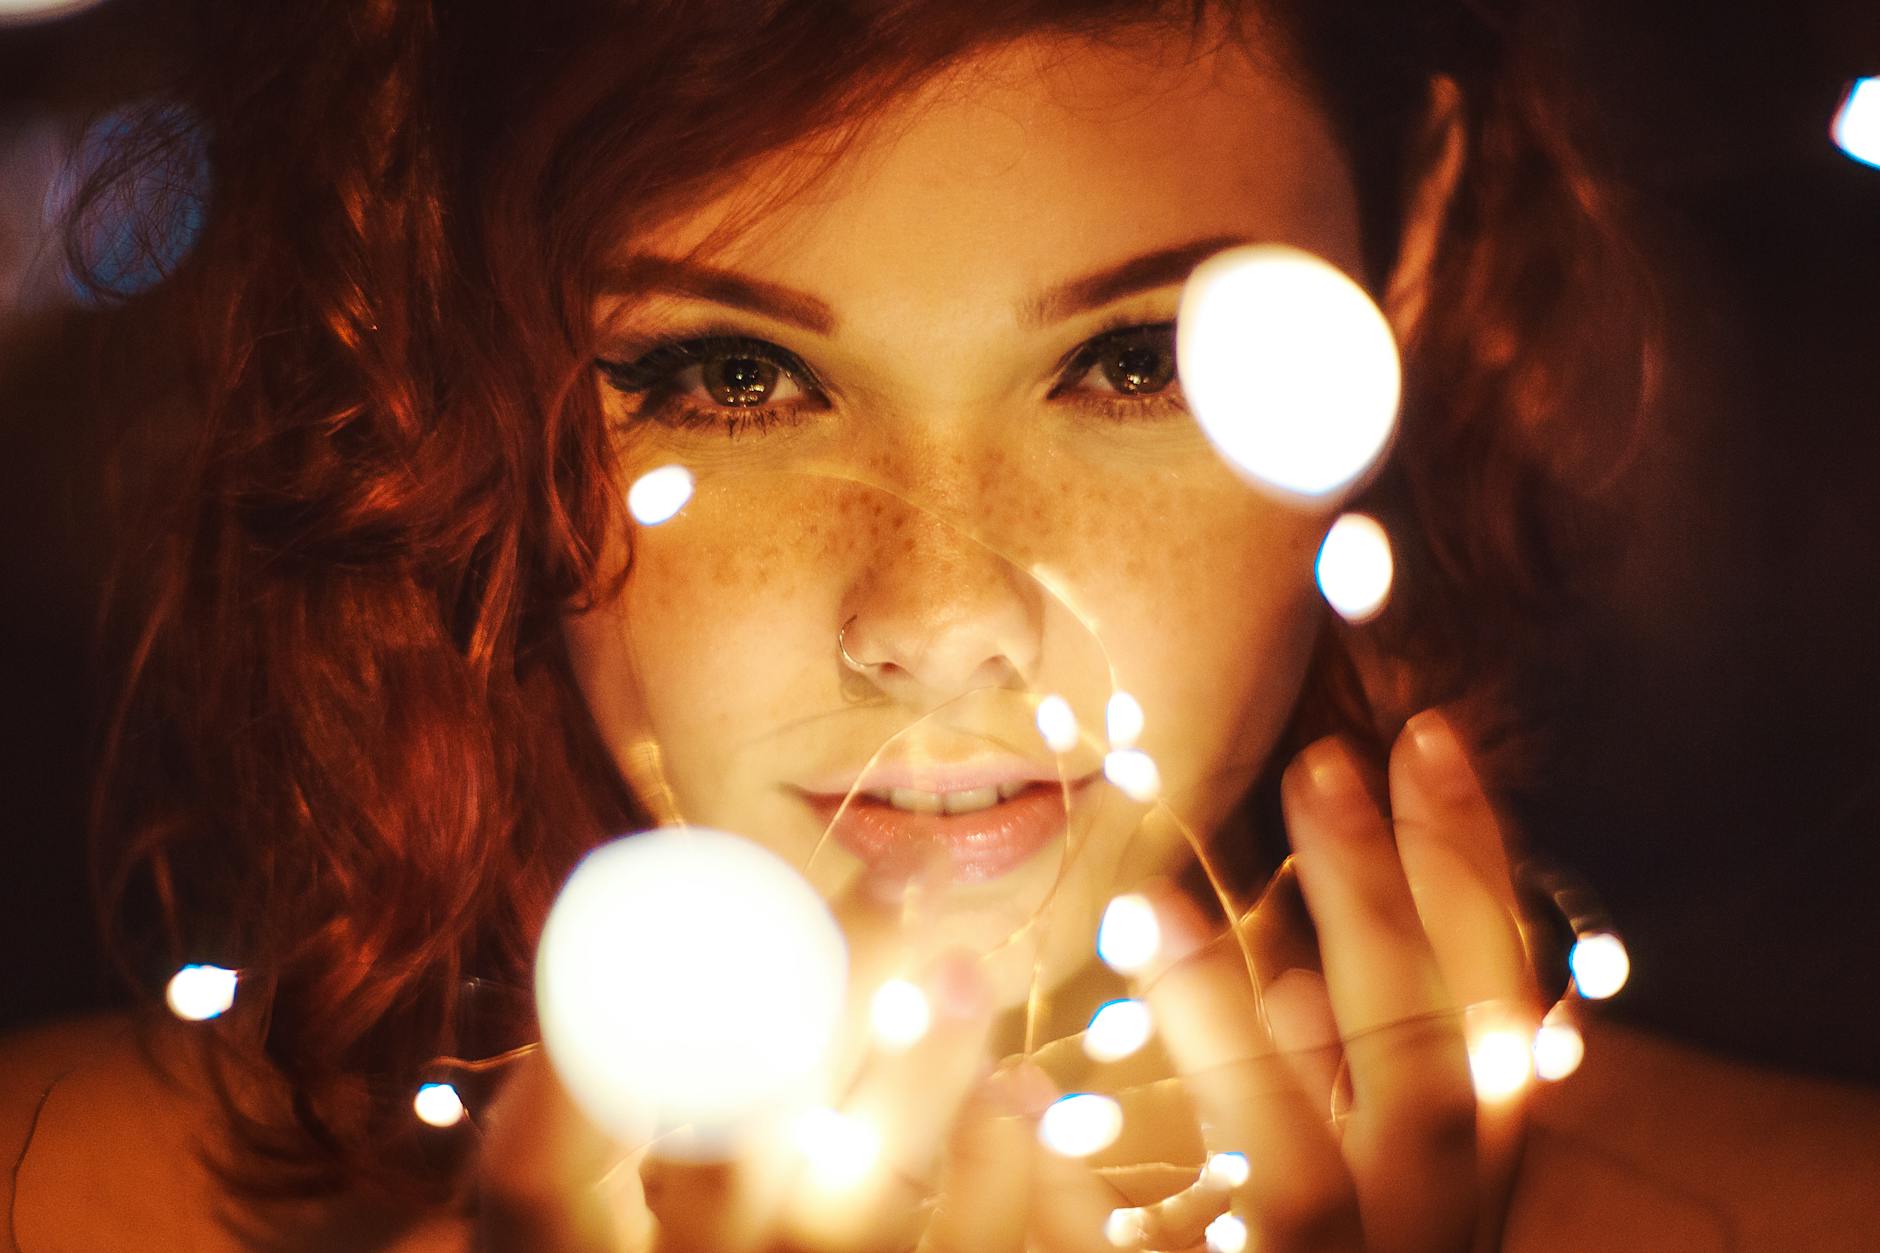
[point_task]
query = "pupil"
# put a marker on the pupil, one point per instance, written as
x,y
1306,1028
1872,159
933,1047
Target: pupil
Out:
x,y
740,381
1140,368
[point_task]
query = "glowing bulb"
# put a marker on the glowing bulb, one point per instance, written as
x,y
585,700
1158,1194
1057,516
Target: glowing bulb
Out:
x,y
1226,1234
1057,724
1288,366
1227,1170
1600,965
1129,935
23,11
658,495
1500,1062
687,979
839,1150
1116,1030
1857,124
1133,772
1355,567
1125,1228
1080,1124
1558,1050
438,1105
899,1014
1123,719
198,993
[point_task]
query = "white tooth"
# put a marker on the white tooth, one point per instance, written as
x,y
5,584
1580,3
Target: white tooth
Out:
x,y
914,802
971,800
1008,790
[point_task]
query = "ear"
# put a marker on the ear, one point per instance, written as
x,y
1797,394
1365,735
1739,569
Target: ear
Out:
x,y
1436,168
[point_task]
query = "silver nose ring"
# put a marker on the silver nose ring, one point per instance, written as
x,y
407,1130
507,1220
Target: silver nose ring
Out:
x,y
860,667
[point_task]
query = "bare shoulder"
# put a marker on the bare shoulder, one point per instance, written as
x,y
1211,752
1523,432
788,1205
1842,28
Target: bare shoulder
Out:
x,y
107,1126
1658,1145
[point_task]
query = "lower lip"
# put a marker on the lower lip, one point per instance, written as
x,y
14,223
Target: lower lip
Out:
x,y
983,845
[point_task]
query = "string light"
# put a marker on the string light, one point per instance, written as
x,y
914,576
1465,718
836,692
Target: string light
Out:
x,y
1125,1228
658,495
1856,128
1057,724
1123,720
899,1014
1129,936
838,1150
1288,366
1116,1030
1600,965
1559,1048
1227,1170
1080,1124
1500,1063
197,993
1134,773
1355,567
1226,1234
438,1105
687,979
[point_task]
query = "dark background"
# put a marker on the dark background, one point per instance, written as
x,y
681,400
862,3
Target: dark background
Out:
x,y
1716,770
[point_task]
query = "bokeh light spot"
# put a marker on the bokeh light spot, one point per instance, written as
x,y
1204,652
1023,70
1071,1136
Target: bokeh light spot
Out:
x,y
658,495
149,216
1117,1029
1129,936
438,1105
1288,366
1123,720
839,1150
1080,1124
1355,567
1226,1234
1856,128
197,993
1057,724
1500,1061
1600,965
899,1014
1134,773
1228,1170
1125,1228
1559,1048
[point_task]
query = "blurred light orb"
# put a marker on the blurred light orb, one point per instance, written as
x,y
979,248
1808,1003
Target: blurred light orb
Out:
x,y
197,993
1227,1170
1226,1234
899,1014
1134,773
1057,724
1118,1029
1355,567
1559,1048
1125,1228
21,12
1288,366
130,240
1122,718
438,1105
688,982
838,1149
1600,965
658,495
1080,1124
1856,128
1129,936
1500,1063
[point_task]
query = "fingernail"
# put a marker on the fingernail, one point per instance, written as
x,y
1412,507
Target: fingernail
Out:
x,y
1022,1089
1323,773
1439,753
959,989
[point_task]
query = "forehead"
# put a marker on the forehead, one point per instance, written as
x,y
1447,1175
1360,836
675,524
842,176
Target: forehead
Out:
x,y
1033,161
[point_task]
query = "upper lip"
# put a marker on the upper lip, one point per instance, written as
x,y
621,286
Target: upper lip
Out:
x,y
927,776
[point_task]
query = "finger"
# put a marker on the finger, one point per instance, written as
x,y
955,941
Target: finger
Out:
x,y
1070,1206
989,1173
1205,1011
886,917
1410,1137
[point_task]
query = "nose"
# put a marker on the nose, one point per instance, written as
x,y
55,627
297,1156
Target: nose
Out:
x,y
934,613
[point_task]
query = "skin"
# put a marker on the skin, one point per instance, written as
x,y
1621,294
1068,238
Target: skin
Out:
x,y
986,541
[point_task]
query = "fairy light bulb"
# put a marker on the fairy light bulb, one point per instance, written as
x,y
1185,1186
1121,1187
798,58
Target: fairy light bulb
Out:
x,y
1226,1234
438,1105
197,993
658,495
838,1149
688,983
1355,567
899,1014
1117,1030
1500,1063
1288,366
1559,1048
1600,965
1134,773
1080,1124
1856,128
1122,718
1125,1228
1129,936
1057,724
1227,1170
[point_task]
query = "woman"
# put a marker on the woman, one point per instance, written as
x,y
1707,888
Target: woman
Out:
x,y
895,283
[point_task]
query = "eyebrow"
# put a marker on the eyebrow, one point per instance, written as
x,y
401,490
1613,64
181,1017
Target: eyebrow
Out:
x,y
645,273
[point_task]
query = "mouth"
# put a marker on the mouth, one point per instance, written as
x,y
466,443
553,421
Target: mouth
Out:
x,y
987,829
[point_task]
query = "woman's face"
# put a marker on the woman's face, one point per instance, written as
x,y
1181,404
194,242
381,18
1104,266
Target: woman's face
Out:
x,y
928,405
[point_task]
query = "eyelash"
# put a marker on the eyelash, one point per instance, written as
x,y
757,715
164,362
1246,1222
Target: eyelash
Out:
x,y
652,377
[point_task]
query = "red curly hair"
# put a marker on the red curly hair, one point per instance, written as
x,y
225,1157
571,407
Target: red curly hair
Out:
x,y
369,473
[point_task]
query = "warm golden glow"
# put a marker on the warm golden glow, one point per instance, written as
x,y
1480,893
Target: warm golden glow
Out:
x,y
1227,1170
1123,720
1288,366
899,1014
1134,773
1226,1234
1081,1124
1117,1030
658,495
1600,965
1558,1050
1125,1228
838,1150
1129,935
438,1105
197,993
1500,1062
1057,724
